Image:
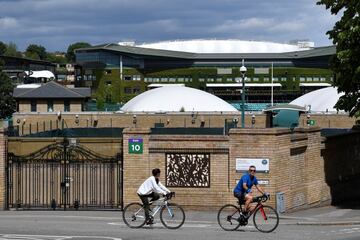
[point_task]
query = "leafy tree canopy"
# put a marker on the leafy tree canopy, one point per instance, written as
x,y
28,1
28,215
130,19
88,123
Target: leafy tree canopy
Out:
x,y
51,57
70,54
11,50
36,52
7,102
346,63
2,48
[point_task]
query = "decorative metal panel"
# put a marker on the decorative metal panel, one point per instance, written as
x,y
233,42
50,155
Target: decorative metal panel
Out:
x,y
187,170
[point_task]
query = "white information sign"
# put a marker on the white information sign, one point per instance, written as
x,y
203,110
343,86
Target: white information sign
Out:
x,y
263,182
261,164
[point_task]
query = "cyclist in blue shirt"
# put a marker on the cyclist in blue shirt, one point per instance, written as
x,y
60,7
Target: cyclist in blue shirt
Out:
x,y
243,190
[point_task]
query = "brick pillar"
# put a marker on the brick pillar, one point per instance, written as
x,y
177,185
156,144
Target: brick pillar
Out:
x,y
267,143
317,189
136,166
3,144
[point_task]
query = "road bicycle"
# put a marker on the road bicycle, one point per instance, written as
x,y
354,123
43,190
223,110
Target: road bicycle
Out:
x,y
265,218
172,215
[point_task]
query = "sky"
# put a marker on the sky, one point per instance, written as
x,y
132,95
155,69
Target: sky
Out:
x,y
55,24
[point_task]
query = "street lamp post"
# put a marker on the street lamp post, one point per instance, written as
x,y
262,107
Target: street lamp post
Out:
x,y
243,72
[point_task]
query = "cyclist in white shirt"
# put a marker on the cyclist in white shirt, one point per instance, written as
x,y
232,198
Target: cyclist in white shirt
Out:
x,y
151,188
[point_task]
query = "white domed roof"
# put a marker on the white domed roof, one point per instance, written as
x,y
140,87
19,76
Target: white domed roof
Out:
x,y
175,98
321,100
223,46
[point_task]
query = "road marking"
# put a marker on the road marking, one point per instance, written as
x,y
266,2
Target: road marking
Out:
x,y
189,224
51,237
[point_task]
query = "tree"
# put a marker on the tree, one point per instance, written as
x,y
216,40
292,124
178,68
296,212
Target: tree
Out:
x,y
51,57
346,63
2,48
36,52
70,54
7,102
12,51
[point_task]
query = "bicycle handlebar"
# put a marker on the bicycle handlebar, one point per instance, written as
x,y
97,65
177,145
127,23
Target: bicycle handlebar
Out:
x,y
169,195
262,198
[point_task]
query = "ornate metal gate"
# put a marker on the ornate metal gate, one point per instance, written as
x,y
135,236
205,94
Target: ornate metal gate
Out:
x,y
64,176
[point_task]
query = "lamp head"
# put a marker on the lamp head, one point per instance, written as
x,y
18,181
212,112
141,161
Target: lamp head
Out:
x,y
243,69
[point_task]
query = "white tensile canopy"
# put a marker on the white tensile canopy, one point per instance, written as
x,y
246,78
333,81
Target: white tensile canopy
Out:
x,y
176,99
40,74
321,100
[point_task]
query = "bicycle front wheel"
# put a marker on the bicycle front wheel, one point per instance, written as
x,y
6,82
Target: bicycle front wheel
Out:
x,y
134,215
228,217
266,219
172,216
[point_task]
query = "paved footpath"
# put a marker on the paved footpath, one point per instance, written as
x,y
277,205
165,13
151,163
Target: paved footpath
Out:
x,y
328,223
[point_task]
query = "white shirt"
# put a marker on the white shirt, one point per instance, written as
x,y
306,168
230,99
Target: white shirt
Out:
x,y
150,185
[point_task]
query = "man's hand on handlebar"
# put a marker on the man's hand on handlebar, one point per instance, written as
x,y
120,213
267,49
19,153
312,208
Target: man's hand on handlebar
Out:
x,y
266,196
170,195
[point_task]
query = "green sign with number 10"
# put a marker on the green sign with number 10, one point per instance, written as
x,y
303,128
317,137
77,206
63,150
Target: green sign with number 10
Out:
x,y
135,146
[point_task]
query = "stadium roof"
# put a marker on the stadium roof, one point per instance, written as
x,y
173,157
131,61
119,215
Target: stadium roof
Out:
x,y
224,46
148,52
177,99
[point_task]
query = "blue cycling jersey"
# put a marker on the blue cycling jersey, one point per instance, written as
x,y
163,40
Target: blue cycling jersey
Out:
x,y
249,183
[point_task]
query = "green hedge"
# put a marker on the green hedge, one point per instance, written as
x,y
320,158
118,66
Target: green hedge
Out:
x,y
116,88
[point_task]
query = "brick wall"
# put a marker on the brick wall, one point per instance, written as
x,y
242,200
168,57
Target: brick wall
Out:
x,y
147,120
295,165
328,120
3,145
138,166
122,120
25,107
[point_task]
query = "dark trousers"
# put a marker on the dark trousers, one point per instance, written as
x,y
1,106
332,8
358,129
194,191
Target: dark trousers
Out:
x,y
145,200
240,197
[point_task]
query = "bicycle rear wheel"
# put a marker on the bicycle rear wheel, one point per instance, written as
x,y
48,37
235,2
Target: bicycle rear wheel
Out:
x,y
228,217
172,216
134,215
266,219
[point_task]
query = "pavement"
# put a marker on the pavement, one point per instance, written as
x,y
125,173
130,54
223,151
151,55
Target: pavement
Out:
x,y
328,215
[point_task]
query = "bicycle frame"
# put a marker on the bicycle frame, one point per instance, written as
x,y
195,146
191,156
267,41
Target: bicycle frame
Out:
x,y
258,205
157,208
